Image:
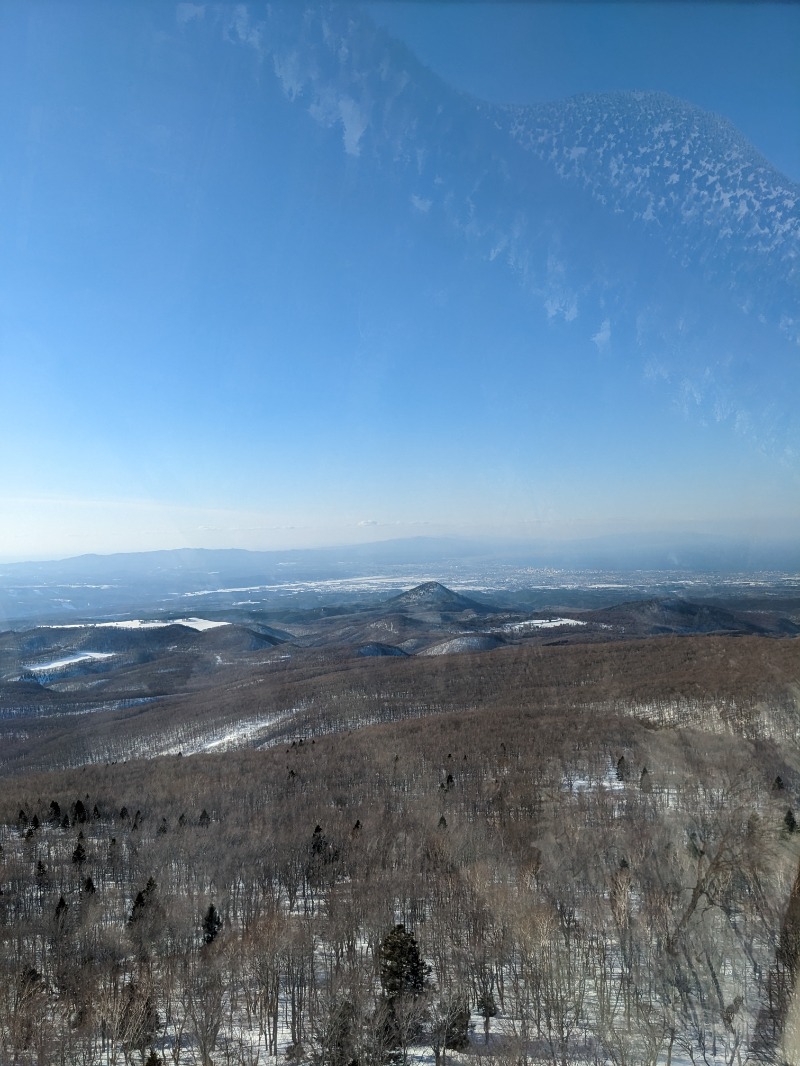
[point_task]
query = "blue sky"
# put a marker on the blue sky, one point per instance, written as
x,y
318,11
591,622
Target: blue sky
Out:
x,y
738,59
217,329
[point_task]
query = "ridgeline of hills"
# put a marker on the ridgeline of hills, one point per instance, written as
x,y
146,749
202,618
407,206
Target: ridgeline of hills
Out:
x,y
205,814
520,574
428,618
197,810
178,682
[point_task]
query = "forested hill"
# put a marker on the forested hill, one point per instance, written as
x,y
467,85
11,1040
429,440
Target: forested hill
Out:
x,y
591,860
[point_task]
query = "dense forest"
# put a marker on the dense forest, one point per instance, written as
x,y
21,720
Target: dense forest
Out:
x,y
746,684
528,874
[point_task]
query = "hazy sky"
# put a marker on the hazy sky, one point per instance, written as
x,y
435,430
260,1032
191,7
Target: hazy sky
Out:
x,y
208,339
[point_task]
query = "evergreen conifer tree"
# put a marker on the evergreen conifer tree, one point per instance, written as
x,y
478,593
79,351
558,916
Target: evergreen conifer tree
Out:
x,y
61,914
401,969
212,923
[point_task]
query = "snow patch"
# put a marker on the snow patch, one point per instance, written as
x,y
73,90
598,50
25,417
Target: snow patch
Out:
x,y
235,735
69,660
540,623
200,624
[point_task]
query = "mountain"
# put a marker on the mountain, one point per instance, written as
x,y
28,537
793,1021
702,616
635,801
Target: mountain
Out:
x,y
197,568
431,596
237,586
675,615
94,657
190,684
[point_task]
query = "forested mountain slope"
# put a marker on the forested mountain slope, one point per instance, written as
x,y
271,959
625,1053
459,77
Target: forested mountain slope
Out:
x,y
591,887
592,848
746,684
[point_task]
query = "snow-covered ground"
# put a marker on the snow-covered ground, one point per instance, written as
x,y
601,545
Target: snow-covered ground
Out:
x,y
69,660
199,624
231,735
539,623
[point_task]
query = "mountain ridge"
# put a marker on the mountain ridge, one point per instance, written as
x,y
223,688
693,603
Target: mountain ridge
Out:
x,y
679,548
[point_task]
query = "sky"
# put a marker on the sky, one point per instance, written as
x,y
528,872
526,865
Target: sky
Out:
x,y
740,60
219,329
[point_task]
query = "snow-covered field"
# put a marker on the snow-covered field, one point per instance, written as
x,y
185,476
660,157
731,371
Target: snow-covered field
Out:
x,y
540,623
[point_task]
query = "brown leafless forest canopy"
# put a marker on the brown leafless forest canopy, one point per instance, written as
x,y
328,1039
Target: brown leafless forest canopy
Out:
x,y
592,846
747,684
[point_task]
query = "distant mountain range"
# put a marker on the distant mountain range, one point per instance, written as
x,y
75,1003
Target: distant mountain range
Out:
x,y
170,584
139,659
678,551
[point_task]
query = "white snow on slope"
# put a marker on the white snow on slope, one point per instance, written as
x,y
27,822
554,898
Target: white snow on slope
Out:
x,y
540,623
69,660
468,642
231,736
199,624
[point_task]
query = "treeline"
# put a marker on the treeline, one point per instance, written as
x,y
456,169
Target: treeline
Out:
x,y
583,887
